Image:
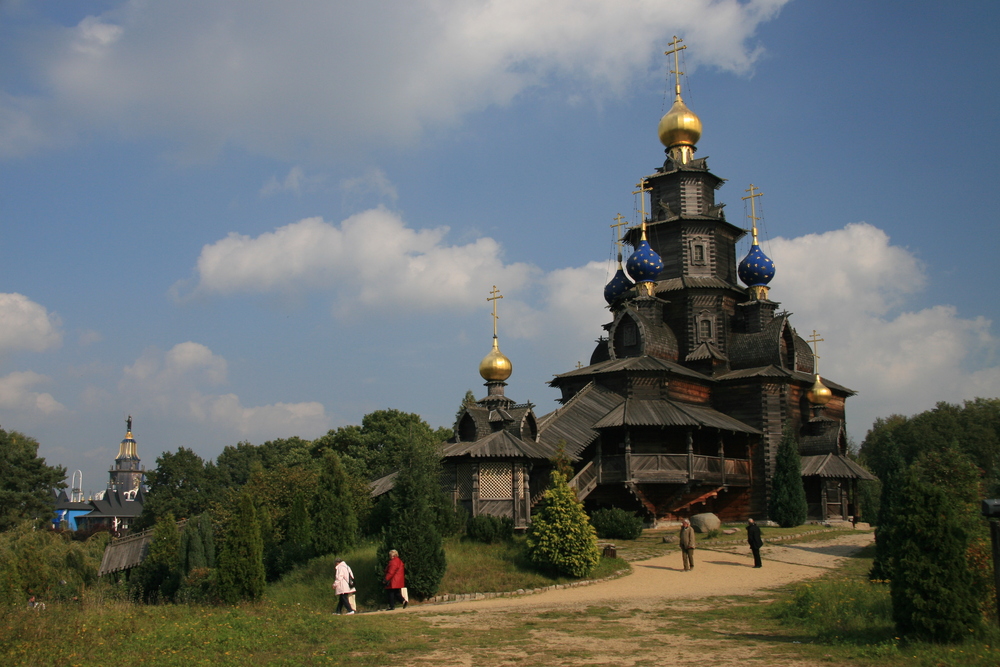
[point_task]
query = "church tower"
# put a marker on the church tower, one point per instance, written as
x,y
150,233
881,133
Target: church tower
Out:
x,y
127,473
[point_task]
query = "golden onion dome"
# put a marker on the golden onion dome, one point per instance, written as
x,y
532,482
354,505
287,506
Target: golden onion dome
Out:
x,y
819,394
679,126
495,366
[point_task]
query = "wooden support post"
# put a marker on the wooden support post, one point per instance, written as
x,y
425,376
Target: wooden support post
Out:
x,y
628,457
722,458
690,448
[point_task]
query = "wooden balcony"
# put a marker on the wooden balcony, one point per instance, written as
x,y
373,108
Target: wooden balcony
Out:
x,y
673,469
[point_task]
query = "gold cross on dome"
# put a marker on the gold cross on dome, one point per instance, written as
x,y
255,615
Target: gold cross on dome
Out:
x,y
494,295
642,201
676,71
754,192
579,364
815,340
619,223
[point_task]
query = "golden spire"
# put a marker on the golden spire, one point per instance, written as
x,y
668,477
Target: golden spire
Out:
x,y
819,393
495,367
753,210
679,128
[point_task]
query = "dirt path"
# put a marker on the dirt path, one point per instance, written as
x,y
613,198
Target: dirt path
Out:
x,y
658,585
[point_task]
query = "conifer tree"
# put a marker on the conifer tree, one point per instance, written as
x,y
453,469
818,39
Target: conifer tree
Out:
x,y
192,553
890,474
241,555
412,528
936,594
334,522
561,537
158,576
788,495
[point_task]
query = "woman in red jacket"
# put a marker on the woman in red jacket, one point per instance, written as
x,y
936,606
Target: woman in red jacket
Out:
x,y
395,579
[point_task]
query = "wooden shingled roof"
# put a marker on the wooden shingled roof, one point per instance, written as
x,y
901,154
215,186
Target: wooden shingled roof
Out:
x,y
693,282
631,364
833,466
383,484
501,444
662,412
776,372
572,422
125,553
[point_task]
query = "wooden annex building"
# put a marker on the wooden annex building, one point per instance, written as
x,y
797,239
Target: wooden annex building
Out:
x,y
684,402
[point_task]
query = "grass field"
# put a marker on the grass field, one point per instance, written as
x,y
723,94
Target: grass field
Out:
x,y
838,619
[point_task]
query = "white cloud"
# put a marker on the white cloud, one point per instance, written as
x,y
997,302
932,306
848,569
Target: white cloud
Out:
x,y
277,78
371,259
296,181
27,325
173,385
374,181
899,360
16,394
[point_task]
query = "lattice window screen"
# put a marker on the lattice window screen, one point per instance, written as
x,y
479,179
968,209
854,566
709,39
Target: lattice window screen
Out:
x,y
520,483
495,481
464,481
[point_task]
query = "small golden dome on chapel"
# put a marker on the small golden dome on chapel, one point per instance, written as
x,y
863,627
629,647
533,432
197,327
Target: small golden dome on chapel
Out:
x,y
495,366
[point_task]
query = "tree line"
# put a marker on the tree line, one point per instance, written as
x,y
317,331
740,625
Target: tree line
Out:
x,y
931,544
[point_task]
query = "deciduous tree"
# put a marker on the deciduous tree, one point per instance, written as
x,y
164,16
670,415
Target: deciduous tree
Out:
x,y
26,481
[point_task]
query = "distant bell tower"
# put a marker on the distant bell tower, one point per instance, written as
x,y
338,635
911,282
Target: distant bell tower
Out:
x,y
128,473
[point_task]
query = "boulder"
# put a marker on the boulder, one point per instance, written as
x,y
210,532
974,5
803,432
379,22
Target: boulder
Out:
x,y
702,523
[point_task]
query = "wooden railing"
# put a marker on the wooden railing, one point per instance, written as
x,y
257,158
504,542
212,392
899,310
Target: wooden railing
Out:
x,y
585,480
673,468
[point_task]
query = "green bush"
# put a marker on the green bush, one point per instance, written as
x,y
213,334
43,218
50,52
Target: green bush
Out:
x,y
616,524
489,529
560,537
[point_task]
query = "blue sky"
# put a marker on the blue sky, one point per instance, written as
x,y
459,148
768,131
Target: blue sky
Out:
x,y
244,220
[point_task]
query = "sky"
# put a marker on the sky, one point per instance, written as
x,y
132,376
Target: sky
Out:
x,y
243,220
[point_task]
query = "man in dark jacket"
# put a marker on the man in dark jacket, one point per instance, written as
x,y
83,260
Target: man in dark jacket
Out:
x,y
753,539
687,545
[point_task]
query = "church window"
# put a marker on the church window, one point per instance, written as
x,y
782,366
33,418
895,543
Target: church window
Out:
x,y
629,333
705,329
698,254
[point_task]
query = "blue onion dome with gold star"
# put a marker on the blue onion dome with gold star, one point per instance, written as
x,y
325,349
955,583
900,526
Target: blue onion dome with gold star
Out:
x,y
756,269
644,264
619,285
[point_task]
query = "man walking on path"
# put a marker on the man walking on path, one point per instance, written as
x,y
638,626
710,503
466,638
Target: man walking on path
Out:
x,y
753,539
687,545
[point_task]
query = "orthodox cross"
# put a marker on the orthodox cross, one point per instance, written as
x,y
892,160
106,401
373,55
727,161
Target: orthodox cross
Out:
x,y
815,340
754,192
676,71
618,233
494,295
642,199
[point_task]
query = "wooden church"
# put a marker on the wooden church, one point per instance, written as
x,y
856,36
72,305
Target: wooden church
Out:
x,y
687,394
682,407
